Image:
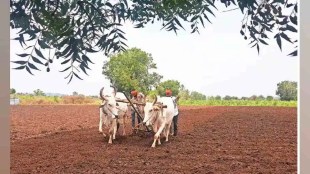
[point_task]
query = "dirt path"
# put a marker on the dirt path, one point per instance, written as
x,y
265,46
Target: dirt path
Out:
x,y
211,140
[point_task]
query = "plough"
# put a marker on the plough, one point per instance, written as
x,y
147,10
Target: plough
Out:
x,y
132,102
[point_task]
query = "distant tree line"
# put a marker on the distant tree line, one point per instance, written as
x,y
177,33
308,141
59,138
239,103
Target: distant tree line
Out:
x,y
37,92
253,97
286,90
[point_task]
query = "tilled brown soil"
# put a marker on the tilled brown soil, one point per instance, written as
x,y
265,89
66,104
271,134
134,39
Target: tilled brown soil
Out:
x,y
65,139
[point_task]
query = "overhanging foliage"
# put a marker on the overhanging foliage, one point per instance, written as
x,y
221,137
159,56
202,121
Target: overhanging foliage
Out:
x,y
70,29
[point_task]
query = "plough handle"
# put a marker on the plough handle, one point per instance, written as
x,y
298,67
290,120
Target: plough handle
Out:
x,y
135,110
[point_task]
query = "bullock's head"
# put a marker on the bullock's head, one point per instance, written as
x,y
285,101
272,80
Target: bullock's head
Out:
x,y
109,105
151,112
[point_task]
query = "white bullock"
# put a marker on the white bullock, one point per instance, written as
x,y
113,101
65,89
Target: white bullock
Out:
x,y
158,117
108,114
123,111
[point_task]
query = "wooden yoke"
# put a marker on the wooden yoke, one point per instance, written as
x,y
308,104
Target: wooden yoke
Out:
x,y
135,102
131,101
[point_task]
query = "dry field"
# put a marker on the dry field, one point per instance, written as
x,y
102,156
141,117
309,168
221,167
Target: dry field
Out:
x,y
65,139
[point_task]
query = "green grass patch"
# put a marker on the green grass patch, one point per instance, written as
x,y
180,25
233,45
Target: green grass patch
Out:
x,y
237,103
56,100
83,100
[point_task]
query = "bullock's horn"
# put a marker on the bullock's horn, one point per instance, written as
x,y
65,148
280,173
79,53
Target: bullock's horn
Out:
x,y
101,96
155,100
115,89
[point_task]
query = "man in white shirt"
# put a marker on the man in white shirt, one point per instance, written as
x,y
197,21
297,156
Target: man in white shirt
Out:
x,y
176,113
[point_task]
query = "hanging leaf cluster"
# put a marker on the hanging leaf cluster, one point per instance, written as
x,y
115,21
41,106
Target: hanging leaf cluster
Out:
x,y
71,29
276,18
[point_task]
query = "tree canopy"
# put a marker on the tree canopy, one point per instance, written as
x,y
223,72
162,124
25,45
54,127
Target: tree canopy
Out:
x,y
269,98
132,70
197,96
218,97
12,91
174,85
38,92
70,29
184,94
287,90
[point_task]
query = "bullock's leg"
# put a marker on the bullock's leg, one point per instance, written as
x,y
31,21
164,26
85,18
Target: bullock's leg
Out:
x,y
154,142
157,135
114,125
171,131
167,131
104,123
155,128
110,138
155,131
169,126
124,122
101,117
164,132
158,140
110,134
112,131
100,120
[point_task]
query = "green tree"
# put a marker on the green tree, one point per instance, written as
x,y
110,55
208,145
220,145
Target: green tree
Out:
x,y
244,98
174,85
131,70
197,96
260,97
287,90
56,99
234,98
38,92
184,94
227,97
218,97
211,98
269,98
253,97
72,28
12,91
152,93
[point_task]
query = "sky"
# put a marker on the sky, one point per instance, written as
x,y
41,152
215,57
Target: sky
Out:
x,y
218,61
